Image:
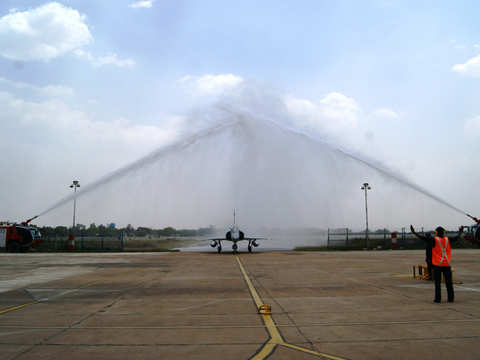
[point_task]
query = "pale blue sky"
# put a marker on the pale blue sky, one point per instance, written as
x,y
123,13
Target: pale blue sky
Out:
x,y
393,59
382,53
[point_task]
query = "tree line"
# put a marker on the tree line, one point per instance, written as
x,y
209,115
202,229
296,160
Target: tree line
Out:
x,y
129,230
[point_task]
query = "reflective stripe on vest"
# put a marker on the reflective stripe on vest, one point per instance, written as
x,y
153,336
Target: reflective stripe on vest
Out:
x,y
441,253
444,249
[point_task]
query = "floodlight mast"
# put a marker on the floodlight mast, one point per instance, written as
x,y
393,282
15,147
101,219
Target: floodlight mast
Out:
x,y
366,187
74,186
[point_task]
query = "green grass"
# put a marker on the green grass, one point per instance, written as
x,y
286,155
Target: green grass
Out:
x,y
323,248
114,245
333,248
141,244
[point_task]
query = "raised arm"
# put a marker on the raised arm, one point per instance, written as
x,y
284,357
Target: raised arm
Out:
x,y
412,230
415,233
459,234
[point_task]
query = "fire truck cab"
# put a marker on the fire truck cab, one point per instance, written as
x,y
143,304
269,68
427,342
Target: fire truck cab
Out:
x,y
17,238
472,233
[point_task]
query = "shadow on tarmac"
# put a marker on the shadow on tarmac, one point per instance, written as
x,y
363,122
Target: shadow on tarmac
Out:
x,y
207,249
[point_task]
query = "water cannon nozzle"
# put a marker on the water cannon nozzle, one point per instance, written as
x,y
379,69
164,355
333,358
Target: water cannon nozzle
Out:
x,y
29,220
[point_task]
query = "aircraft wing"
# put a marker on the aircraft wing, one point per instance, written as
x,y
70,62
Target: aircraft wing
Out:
x,y
244,239
219,239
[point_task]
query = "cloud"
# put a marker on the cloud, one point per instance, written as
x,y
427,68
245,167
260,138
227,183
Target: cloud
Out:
x,y
337,106
109,59
385,113
141,4
211,84
339,120
471,68
53,116
333,113
46,91
47,143
42,33
472,127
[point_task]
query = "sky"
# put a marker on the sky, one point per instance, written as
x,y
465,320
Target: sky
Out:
x,y
87,87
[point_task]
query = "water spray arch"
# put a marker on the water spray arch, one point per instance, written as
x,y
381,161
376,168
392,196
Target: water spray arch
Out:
x,y
274,174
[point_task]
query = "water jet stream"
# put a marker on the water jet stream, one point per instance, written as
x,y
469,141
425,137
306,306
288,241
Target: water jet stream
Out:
x,y
362,159
144,161
242,116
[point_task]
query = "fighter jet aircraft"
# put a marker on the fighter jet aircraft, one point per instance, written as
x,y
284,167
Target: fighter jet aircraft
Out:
x,y
235,235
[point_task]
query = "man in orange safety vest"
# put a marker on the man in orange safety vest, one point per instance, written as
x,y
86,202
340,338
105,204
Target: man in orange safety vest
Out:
x,y
441,256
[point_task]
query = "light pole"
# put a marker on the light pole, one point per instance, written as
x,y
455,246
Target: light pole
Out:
x,y
366,187
74,185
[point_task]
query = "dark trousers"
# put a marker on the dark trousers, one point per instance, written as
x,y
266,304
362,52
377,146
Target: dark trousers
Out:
x,y
447,273
429,268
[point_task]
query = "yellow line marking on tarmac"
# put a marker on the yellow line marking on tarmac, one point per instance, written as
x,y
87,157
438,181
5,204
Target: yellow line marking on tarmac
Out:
x,y
275,337
18,307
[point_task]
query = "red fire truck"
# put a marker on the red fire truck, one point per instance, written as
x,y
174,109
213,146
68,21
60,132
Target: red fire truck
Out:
x,y
472,233
18,237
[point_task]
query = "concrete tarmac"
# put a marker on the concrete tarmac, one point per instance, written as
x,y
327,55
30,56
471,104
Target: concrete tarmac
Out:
x,y
326,305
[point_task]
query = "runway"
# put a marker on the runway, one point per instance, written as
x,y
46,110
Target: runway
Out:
x,y
202,305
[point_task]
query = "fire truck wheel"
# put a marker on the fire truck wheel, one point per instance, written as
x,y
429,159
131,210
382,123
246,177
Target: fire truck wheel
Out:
x,y
14,246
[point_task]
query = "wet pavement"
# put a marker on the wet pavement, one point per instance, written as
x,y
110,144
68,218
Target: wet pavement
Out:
x,y
199,305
